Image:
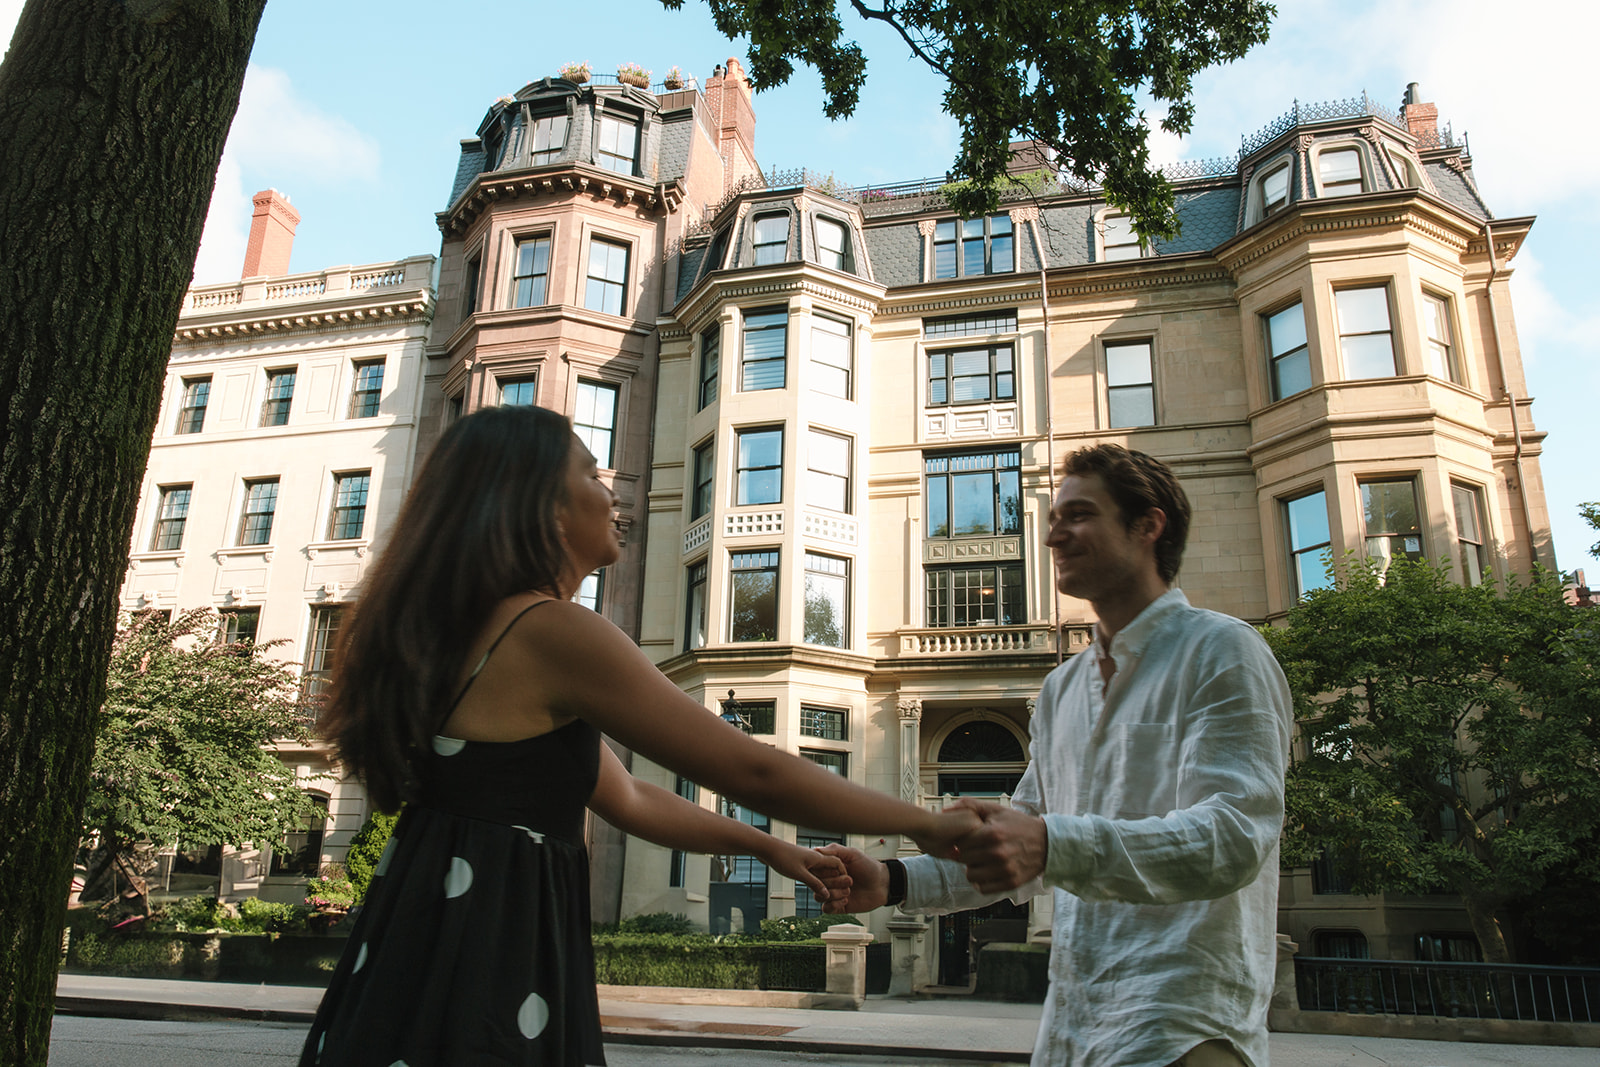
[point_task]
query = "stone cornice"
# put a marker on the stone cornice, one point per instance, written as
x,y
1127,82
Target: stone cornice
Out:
x,y
564,181
795,279
349,298
1416,210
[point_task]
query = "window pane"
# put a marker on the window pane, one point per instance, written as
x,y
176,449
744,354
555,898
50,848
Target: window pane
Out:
x,y
549,137
1128,364
349,506
1132,406
830,356
755,597
1292,374
760,467
1287,329
1340,167
1009,484
695,624
827,723
944,260
1308,521
1275,189
608,275
533,268
1363,310
594,420
771,239
973,501
1367,355
831,244
1000,255
518,392
938,506
1390,513
827,590
972,250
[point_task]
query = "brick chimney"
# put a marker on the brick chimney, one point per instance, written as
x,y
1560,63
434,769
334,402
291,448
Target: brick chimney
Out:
x,y
1421,119
727,94
271,235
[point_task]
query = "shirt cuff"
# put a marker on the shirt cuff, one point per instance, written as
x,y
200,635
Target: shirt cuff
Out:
x,y
1069,859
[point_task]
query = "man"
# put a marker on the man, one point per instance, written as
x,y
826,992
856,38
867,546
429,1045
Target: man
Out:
x,y
1152,806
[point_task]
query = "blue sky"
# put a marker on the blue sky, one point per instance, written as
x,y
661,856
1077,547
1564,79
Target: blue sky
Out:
x,y
356,109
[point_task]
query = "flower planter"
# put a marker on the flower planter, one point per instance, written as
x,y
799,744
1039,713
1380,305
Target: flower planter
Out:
x,y
634,80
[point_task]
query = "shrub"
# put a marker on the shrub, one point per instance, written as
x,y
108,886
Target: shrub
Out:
x,y
660,922
332,890
197,913
271,917
794,928
366,849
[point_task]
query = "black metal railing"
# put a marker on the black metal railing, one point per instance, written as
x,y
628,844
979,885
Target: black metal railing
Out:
x,y
1451,990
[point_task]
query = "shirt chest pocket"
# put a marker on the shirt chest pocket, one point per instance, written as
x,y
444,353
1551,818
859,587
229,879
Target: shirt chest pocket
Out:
x,y
1140,771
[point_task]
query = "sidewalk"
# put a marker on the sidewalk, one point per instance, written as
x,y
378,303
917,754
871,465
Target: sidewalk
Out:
x,y
920,1029
944,1028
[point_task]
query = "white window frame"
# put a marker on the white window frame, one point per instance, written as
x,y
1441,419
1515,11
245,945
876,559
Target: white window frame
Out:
x,y
1454,364
1339,188
608,284
1480,568
1339,330
842,253
1113,389
1114,234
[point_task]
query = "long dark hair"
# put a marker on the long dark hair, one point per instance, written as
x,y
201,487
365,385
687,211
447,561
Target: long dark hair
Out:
x,y
478,526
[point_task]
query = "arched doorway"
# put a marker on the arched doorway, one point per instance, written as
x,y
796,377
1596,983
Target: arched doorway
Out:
x,y
984,758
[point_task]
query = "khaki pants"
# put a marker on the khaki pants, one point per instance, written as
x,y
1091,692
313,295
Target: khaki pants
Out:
x,y
1210,1054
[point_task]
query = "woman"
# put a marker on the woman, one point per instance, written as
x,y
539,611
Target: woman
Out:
x,y
470,688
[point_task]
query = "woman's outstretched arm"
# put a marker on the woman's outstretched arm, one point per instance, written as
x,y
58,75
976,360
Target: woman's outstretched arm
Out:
x,y
591,670
650,812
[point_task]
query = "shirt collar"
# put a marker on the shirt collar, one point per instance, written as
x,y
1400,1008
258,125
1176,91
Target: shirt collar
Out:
x,y
1132,638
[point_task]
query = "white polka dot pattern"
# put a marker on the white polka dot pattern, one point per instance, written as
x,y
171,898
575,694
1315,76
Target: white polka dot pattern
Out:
x,y
447,746
533,1016
383,860
361,958
459,880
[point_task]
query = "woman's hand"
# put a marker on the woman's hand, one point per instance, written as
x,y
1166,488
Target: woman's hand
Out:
x,y
825,874
943,833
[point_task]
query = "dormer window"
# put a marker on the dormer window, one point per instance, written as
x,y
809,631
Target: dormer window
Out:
x,y
1275,190
1339,172
1118,241
771,239
618,144
833,244
968,247
549,138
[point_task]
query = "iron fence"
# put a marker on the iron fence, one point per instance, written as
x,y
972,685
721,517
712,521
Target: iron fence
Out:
x,y
1451,990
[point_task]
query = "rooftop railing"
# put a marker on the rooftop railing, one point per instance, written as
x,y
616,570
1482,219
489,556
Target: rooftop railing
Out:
x,y
884,197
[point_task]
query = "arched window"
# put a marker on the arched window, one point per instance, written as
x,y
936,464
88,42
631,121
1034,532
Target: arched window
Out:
x,y
981,742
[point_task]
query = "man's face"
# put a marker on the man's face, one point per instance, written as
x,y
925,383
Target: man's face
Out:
x,y
1096,555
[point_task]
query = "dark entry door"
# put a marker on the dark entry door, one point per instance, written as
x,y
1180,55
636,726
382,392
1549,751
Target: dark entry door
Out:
x,y
955,937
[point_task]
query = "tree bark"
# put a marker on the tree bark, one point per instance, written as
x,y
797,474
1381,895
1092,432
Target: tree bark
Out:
x,y
1481,915
116,116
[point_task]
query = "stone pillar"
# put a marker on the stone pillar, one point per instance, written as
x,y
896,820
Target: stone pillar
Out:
x,y
910,749
1284,994
846,948
908,948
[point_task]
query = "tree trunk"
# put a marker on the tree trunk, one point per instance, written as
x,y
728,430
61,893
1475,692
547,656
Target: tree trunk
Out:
x,y
1481,910
116,112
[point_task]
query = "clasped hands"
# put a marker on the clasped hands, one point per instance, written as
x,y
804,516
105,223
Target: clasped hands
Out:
x,y
1002,848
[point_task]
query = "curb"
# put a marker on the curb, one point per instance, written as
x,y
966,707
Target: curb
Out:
x,y
139,1009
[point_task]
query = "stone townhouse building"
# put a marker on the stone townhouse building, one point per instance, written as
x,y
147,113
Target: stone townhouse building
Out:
x,y
833,418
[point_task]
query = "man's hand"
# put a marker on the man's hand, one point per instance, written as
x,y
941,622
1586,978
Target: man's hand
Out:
x,y
868,882
1009,849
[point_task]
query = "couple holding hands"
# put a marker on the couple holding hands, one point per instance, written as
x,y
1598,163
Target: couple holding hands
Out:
x,y
469,689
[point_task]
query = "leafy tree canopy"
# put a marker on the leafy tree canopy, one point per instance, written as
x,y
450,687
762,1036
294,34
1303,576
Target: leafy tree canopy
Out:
x,y
1451,735
183,751
1591,515
1063,74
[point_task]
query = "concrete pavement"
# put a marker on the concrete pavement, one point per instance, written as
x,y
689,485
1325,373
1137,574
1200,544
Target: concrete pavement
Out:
x,y
920,1029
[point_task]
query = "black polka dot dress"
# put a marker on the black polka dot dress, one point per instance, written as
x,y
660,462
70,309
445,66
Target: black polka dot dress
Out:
x,y
473,943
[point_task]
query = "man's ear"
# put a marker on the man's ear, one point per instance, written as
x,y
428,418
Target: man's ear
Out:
x,y
1151,525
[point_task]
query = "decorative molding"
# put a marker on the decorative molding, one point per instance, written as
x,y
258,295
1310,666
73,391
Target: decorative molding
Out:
x,y
926,227
697,535
910,709
837,528
1025,213
752,523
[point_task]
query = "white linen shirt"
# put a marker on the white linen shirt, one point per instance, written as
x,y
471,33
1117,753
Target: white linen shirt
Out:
x,y
1162,795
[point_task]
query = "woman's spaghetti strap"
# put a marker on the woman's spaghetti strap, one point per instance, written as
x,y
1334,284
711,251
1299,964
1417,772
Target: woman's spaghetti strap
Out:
x,y
473,677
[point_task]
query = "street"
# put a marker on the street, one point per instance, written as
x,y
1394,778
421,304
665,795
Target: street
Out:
x,y
81,1041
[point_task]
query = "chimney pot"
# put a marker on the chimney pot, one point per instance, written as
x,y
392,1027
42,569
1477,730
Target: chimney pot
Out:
x,y
272,229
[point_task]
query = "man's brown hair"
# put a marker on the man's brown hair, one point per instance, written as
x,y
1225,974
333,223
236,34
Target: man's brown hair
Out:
x,y
1137,483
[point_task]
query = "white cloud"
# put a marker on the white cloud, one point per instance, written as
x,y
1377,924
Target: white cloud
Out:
x,y
277,137
227,231
10,11
277,130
